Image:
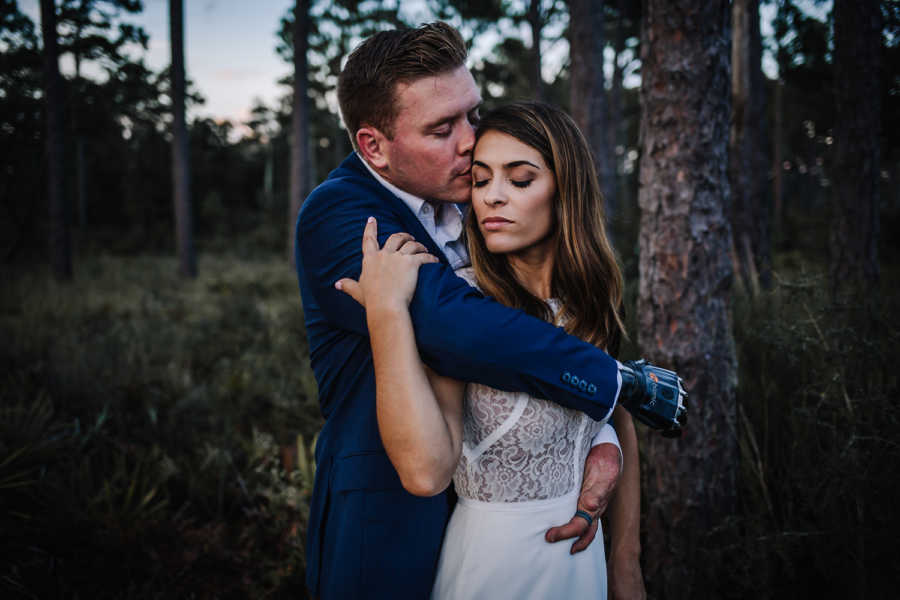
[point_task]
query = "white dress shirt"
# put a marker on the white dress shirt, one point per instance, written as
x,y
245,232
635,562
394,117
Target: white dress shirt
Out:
x,y
442,220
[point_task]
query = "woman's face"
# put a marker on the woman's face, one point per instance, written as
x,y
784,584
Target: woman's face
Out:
x,y
512,194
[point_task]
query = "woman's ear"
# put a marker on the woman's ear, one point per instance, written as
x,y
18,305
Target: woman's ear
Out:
x,y
373,146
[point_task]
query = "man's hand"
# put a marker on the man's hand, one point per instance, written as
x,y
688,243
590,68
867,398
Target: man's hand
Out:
x,y
601,473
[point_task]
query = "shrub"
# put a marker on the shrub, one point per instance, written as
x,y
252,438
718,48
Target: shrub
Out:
x,y
149,431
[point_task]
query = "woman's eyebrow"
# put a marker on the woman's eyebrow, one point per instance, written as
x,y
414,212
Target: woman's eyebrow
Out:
x,y
519,163
509,165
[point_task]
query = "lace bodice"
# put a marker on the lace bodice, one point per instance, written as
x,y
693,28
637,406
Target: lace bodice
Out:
x,y
517,447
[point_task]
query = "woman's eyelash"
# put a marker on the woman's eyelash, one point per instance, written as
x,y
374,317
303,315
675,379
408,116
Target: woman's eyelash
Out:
x,y
519,184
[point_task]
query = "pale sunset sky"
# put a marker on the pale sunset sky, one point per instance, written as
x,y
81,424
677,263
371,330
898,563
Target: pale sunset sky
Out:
x,y
229,49
231,58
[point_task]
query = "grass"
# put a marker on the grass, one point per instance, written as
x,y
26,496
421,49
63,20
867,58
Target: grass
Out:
x,y
156,434
150,430
818,430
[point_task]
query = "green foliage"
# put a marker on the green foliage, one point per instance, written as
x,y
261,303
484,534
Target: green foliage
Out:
x,y
153,434
818,428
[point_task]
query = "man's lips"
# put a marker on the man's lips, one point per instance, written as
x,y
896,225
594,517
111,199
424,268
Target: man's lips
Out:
x,y
495,223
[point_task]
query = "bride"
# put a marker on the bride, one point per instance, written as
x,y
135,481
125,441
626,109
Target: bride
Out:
x,y
537,241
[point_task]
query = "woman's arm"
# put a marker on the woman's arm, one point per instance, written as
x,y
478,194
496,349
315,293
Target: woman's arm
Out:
x,y
625,578
419,412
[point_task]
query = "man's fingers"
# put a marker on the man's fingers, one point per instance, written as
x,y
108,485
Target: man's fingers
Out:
x,y
351,288
576,527
594,501
585,540
370,236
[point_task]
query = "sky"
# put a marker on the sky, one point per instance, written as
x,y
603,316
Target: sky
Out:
x,y
229,50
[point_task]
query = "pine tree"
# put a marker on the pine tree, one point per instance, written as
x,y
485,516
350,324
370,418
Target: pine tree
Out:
x,y
685,280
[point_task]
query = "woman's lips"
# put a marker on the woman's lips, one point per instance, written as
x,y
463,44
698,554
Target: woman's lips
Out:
x,y
495,223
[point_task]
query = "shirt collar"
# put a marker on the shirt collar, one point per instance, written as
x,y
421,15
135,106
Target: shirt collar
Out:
x,y
413,202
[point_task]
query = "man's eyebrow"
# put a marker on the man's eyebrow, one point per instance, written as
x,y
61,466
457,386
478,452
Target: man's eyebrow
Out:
x,y
440,121
450,118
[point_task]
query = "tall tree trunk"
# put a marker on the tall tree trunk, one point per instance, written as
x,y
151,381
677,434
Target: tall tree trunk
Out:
x,y
181,167
747,153
857,152
614,122
535,19
300,150
80,158
60,244
685,282
588,94
778,161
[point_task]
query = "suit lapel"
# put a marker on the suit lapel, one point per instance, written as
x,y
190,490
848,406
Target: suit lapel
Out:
x,y
411,223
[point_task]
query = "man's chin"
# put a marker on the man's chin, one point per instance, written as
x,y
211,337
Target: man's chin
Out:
x,y
461,196
457,199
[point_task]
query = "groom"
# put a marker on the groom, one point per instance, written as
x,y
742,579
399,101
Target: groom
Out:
x,y
411,106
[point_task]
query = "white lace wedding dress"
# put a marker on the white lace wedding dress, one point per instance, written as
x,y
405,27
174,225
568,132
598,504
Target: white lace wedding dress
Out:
x,y
519,474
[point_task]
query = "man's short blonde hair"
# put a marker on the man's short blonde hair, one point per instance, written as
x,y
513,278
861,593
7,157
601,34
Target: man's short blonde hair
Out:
x,y
367,84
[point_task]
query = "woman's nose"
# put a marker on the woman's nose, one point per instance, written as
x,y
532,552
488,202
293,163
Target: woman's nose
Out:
x,y
495,195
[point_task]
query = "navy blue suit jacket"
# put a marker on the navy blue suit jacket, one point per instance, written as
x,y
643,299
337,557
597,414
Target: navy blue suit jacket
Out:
x,y
368,537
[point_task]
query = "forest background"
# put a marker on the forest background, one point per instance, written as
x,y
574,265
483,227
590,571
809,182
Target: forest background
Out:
x,y
157,410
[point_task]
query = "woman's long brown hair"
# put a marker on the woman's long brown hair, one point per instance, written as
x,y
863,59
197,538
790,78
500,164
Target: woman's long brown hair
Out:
x,y
586,277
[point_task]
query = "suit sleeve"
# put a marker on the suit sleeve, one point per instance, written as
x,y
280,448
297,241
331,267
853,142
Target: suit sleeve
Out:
x,y
459,332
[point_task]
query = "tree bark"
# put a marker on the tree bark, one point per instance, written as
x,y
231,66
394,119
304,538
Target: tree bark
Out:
x,y
60,244
857,137
588,94
181,168
613,126
685,283
300,150
535,20
750,220
778,161
80,159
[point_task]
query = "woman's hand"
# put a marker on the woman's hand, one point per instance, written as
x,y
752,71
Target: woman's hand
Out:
x,y
389,274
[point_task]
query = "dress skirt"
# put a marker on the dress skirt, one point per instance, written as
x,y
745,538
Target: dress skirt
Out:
x,y
497,550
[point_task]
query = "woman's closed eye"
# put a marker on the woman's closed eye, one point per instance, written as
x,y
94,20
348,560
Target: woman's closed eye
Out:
x,y
519,183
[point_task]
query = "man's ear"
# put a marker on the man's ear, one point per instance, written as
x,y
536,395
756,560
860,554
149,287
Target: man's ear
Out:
x,y
372,145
